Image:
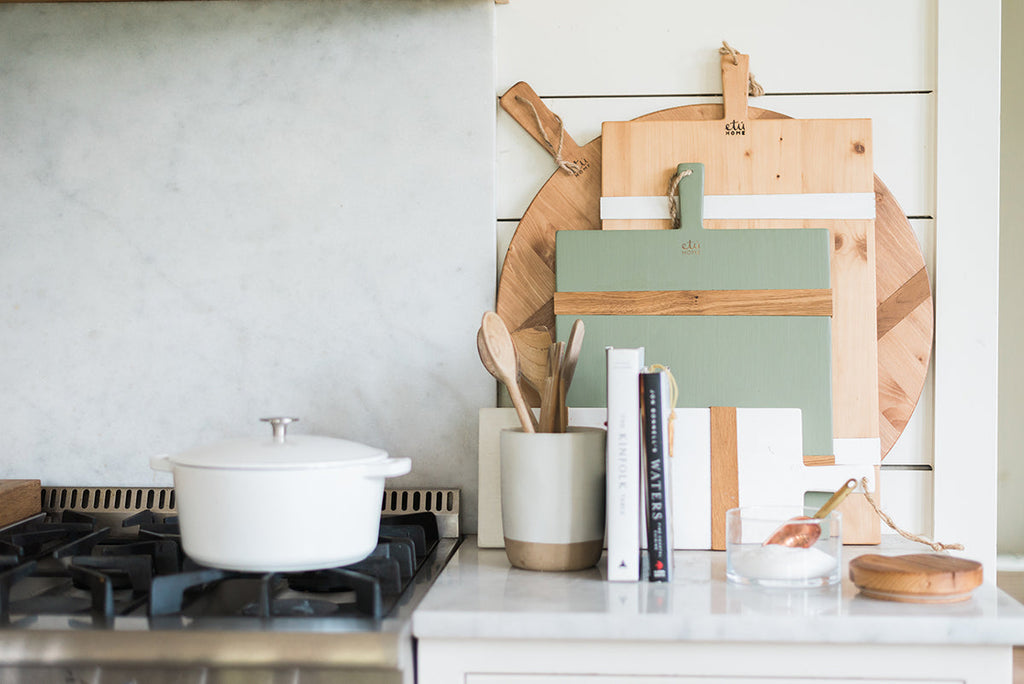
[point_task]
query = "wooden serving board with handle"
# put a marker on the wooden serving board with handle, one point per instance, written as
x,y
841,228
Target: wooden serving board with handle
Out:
x,y
571,201
788,173
742,317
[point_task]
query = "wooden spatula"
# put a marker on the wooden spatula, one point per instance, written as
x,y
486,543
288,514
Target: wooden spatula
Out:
x,y
550,413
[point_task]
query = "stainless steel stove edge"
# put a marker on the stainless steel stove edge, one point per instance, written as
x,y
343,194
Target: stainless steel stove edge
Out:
x,y
193,674
142,650
112,505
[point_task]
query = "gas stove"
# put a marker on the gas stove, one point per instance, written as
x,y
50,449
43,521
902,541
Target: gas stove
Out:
x,y
97,589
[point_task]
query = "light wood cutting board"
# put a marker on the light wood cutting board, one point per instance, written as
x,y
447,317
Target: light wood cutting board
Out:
x,y
571,201
779,159
742,317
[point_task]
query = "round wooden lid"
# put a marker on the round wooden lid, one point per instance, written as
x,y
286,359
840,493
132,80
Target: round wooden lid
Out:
x,y
916,578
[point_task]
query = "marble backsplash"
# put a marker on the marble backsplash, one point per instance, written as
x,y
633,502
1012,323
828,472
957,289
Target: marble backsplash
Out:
x,y
214,212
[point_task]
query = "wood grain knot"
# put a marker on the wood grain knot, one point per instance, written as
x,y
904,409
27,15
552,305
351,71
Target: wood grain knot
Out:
x,y
858,148
860,245
861,242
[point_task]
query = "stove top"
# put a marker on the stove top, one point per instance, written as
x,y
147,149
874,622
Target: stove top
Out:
x,y
101,572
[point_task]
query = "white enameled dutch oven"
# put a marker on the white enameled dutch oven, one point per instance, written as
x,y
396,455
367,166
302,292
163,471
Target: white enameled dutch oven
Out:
x,y
286,503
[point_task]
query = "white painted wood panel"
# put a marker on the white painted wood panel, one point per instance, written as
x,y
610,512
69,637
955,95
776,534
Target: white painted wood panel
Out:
x,y
591,66
604,47
967,269
505,230
907,497
1011,286
902,131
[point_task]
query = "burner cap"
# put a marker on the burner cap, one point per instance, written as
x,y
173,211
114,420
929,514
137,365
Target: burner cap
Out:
x,y
319,581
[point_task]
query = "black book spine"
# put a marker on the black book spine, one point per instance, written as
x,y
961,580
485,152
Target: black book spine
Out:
x,y
653,407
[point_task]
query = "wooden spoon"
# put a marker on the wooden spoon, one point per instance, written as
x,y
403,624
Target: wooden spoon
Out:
x,y
495,342
488,362
803,535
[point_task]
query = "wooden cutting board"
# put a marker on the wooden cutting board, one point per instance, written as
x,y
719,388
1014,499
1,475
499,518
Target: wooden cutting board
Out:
x,y
19,499
571,201
798,167
916,578
743,317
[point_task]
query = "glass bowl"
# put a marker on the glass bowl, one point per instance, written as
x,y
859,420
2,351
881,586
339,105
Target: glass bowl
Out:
x,y
750,561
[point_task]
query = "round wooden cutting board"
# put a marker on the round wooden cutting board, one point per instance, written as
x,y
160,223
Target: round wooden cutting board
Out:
x,y
570,200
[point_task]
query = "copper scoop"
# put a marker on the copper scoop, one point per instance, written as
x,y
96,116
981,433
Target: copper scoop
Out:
x,y
803,535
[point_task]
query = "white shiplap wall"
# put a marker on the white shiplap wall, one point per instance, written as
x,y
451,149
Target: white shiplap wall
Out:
x,y
591,62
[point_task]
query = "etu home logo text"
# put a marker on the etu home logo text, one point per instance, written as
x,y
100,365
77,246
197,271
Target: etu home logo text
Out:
x,y
735,127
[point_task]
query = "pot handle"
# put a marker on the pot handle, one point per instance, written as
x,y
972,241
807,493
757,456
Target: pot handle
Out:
x,y
161,462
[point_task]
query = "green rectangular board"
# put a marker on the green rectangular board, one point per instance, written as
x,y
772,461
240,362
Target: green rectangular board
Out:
x,y
743,361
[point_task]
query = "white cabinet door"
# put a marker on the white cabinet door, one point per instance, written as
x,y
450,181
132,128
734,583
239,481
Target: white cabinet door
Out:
x,y
525,661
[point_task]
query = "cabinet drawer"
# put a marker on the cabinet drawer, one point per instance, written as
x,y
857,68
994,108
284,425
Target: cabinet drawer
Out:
x,y
682,679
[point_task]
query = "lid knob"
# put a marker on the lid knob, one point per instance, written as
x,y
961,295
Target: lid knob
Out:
x,y
280,426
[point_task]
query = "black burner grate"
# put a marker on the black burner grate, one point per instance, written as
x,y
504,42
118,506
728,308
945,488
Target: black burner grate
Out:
x,y
75,566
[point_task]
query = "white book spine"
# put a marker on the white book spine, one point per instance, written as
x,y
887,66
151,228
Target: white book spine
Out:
x,y
623,452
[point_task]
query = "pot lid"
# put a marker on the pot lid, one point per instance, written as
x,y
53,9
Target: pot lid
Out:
x,y
282,451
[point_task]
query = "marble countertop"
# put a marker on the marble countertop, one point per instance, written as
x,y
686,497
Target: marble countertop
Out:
x,y
480,596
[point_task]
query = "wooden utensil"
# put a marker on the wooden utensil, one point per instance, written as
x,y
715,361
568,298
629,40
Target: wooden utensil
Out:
x,y
803,535
916,578
498,354
571,201
572,356
550,412
19,499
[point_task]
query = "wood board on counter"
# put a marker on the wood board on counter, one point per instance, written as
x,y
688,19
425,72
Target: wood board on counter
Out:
x,y
19,499
570,200
793,160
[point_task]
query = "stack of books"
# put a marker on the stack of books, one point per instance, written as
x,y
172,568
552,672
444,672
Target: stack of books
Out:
x,y
639,470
